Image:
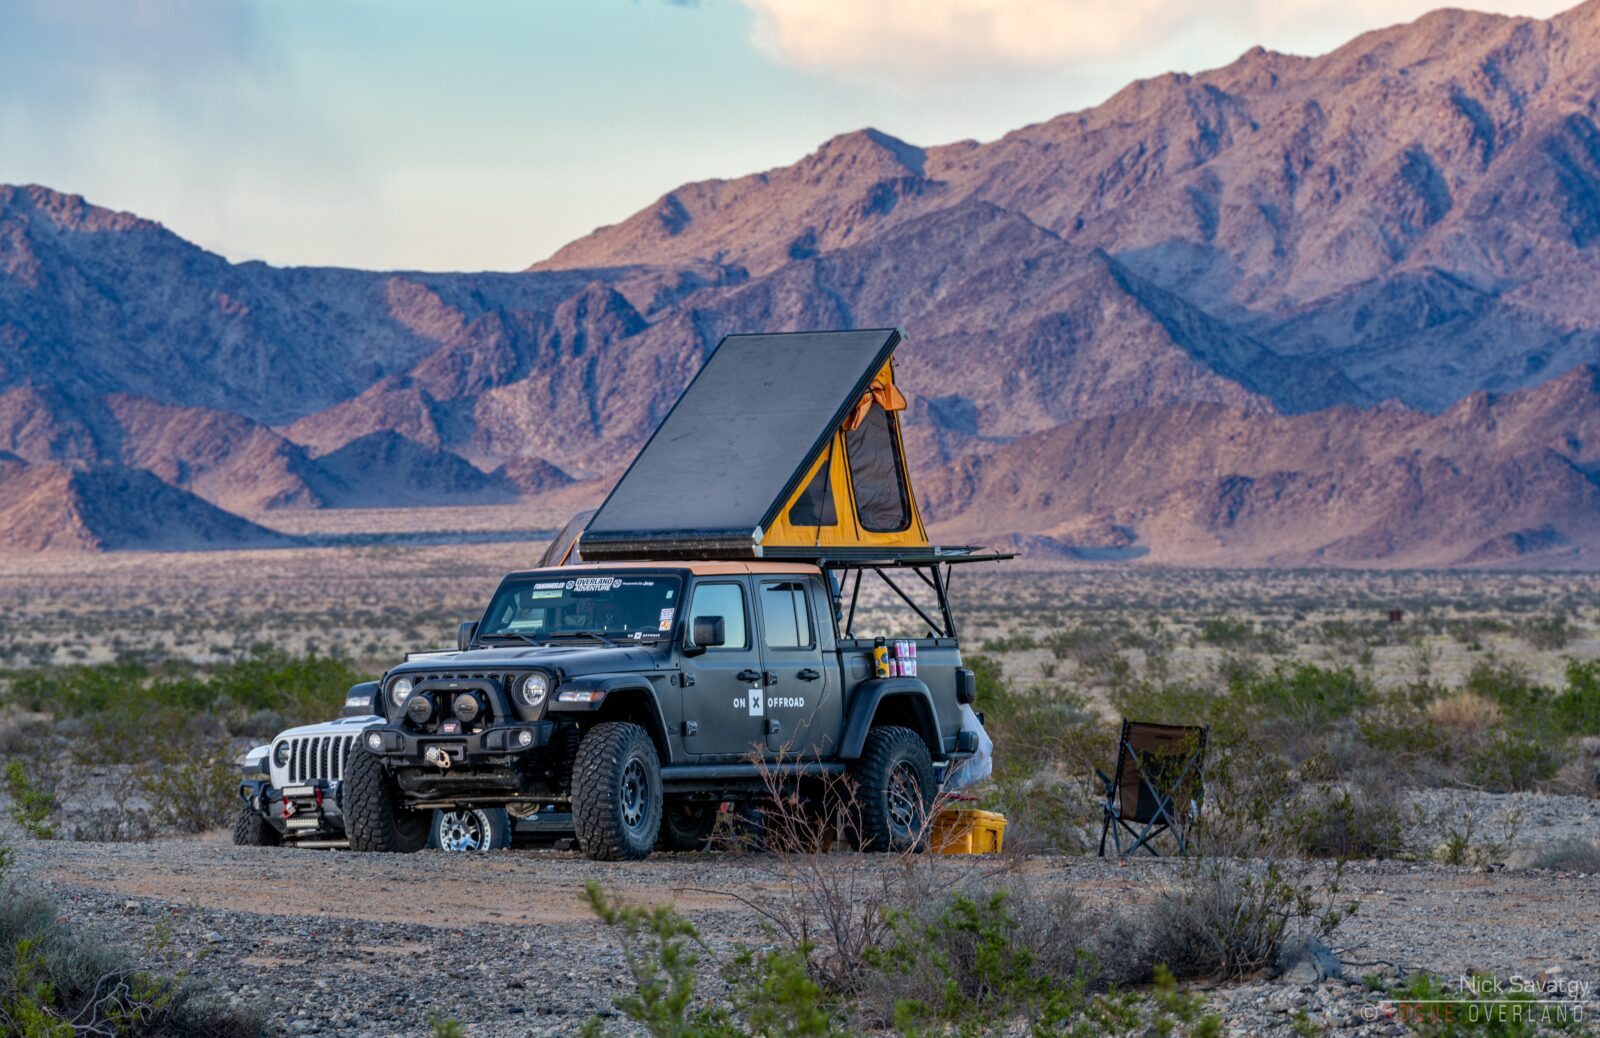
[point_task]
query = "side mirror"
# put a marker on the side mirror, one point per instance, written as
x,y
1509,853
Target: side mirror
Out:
x,y
707,632
465,634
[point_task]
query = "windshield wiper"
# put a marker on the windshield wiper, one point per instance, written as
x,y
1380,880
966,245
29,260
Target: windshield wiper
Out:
x,y
509,634
596,635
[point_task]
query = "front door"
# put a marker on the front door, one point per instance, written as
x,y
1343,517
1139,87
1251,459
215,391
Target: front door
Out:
x,y
802,708
725,707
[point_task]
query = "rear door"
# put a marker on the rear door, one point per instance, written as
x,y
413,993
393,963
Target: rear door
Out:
x,y
803,708
725,705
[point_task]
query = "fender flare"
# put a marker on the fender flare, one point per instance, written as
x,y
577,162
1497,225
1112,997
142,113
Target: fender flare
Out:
x,y
871,694
364,700
629,685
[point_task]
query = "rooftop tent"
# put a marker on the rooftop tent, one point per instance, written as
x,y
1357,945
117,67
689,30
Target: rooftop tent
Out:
x,y
781,445
563,550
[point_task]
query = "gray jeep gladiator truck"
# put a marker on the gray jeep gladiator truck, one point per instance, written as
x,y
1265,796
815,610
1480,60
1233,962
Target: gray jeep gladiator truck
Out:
x,y
645,695
702,650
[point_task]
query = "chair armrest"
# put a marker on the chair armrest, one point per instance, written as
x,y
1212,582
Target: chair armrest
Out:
x,y
1111,787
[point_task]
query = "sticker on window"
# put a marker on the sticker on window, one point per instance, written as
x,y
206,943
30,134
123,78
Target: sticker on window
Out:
x,y
666,620
557,585
593,584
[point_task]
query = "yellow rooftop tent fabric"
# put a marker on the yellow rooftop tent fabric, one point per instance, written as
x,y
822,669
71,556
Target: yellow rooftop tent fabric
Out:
x,y
858,493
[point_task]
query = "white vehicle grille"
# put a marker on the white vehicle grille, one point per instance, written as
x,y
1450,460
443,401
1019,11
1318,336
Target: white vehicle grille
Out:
x,y
313,757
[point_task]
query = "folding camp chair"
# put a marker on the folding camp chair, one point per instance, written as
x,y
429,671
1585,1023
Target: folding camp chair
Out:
x,y
1157,788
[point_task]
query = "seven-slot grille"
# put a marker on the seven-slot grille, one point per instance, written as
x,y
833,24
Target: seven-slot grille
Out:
x,y
313,757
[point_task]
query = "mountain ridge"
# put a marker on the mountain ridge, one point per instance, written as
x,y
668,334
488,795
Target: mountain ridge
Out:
x,y
1391,242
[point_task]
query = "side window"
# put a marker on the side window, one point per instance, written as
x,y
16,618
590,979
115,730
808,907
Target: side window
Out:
x,y
726,601
786,619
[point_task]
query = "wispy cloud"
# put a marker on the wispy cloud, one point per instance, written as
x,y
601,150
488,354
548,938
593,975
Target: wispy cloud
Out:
x,y
920,43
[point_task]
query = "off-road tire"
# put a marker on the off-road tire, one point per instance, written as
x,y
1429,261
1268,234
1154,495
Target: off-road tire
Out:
x,y
887,816
251,830
493,823
686,825
748,827
617,777
373,818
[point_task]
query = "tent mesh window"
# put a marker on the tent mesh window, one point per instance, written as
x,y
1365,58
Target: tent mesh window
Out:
x,y
880,485
815,506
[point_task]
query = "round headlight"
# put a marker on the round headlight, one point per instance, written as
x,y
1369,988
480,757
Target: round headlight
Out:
x,y
400,691
467,708
280,755
533,689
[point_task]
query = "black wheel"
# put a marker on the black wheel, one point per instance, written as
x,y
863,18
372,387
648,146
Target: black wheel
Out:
x,y
474,829
373,817
686,825
251,830
747,828
893,790
616,792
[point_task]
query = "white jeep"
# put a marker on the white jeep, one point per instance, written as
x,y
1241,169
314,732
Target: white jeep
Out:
x,y
291,791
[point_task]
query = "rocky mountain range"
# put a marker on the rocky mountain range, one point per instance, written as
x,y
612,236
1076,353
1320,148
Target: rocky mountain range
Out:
x,y
1331,310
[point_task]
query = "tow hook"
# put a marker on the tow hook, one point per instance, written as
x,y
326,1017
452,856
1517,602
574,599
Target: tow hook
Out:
x,y
434,755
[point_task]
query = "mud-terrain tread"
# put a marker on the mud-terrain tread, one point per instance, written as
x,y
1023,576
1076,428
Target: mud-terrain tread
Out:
x,y
678,835
596,776
251,830
885,746
370,819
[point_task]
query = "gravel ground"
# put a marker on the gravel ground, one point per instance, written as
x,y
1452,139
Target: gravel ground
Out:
x,y
329,942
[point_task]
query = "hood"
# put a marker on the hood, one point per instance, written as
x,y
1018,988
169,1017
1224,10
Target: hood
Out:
x,y
343,725
570,659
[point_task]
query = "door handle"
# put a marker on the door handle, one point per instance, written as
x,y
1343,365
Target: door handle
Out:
x,y
808,675
751,676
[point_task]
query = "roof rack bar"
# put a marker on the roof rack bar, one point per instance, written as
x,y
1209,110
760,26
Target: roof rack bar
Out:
x,y
855,596
944,602
932,624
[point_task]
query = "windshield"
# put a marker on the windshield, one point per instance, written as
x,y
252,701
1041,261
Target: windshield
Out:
x,y
613,605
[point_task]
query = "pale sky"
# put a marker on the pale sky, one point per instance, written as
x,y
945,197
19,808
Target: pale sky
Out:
x,y
478,135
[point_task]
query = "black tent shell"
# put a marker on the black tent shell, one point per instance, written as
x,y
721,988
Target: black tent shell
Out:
x,y
734,448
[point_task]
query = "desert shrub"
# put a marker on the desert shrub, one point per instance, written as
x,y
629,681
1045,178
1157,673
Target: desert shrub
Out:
x,y
1352,823
1230,919
1506,761
1509,685
1305,692
1551,631
1465,840
1178,702
1046,746
977,969
1222,631
56,981
1020,642
190,785
773,993
302,689
1465,712
31,805
1577,706
1571,855
1083,643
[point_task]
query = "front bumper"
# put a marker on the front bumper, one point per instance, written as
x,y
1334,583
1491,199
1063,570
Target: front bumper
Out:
x,y
310,810
500,745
